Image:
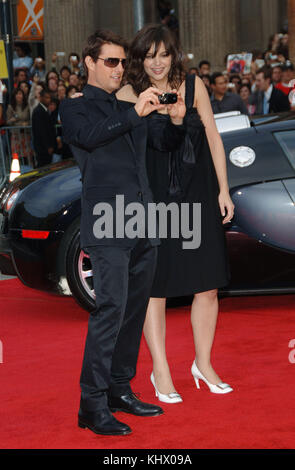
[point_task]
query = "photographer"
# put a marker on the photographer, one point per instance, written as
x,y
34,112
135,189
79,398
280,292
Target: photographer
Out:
x,y
75,64
38,69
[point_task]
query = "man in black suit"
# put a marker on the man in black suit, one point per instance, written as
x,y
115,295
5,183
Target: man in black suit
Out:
x,y
108,139
43,131
267,98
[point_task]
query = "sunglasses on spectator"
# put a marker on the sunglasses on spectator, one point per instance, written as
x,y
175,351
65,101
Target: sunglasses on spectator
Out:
x,y
113,62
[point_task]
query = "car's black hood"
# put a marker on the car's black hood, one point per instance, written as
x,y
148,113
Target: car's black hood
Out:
x,y
44,193
270,161
47,172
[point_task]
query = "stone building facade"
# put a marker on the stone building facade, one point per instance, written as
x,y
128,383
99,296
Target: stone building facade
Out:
x,y
208,28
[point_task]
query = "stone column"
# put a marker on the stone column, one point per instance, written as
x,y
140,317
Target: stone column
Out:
x,y
269,19
291,30
209,29
67,23
127,20
259,19
150,11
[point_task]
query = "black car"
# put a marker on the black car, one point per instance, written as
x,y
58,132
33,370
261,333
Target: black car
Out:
x,y
39,239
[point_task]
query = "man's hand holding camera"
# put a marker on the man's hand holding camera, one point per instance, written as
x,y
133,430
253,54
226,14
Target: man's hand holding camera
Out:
x,y
148,101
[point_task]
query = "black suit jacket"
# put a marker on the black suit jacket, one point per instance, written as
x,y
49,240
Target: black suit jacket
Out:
x,y
278,102
44,136
110,148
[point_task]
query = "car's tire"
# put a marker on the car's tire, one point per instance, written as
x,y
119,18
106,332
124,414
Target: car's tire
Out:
x,y
79,273
78,265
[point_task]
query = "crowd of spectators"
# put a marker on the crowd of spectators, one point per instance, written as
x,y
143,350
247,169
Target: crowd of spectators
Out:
x,y
264,89
34,102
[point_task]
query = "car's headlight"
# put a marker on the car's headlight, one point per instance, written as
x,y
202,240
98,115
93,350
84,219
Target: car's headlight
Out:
x,y
9,200
3,197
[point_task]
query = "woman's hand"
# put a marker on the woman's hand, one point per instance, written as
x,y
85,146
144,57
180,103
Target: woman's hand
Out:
x,y
148,101
77,95
177,111
225,202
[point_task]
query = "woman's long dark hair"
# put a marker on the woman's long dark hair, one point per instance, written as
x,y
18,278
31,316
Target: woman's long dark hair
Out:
x,y
153,34
13,98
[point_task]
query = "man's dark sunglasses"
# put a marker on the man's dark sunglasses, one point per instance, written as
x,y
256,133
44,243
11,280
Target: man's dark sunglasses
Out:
x,y
113,62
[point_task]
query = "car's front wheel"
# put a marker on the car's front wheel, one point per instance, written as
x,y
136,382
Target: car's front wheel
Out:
x,y
79,274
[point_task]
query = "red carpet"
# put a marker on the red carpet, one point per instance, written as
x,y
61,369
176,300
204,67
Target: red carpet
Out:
x,y
43,340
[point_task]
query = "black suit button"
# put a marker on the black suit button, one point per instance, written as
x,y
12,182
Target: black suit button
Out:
x,y
140,195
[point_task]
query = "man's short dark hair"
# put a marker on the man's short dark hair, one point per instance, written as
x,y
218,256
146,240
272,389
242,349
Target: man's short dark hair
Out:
x,y
214,76
246,85
232,77
266,70
95,43
17,71
277,66
25,47
45,91
204,62
65,67
55,101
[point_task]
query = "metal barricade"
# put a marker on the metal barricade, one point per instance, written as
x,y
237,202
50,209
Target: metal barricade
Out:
x,y
15,139
18,139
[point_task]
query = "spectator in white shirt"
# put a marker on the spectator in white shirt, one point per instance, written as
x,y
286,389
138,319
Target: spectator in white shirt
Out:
x,y
22,59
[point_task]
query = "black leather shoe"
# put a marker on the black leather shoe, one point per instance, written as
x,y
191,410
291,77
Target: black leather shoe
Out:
x,y
102,422
129,403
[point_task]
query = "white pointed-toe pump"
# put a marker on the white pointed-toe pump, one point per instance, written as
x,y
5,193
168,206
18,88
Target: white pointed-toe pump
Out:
x,y
169,398
218,388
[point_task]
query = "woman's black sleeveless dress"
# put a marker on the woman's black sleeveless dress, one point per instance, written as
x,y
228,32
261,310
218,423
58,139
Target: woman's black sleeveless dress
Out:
x,y
188,175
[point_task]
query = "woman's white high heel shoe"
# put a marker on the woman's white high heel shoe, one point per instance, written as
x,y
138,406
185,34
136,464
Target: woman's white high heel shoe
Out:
x,y
218,388
170,398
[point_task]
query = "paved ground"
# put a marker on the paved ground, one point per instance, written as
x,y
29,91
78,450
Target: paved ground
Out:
x,y
2,277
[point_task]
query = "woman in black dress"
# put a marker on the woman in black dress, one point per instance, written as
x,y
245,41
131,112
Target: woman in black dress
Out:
x,y
194,173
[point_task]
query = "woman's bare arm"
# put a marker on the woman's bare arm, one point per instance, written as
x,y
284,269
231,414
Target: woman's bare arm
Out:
x,y
126,93
203,105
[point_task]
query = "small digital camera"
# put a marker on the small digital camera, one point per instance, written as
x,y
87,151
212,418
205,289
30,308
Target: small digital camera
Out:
x,y
168,98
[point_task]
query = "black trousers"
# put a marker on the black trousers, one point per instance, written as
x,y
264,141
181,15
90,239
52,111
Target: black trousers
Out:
x,y
122,283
